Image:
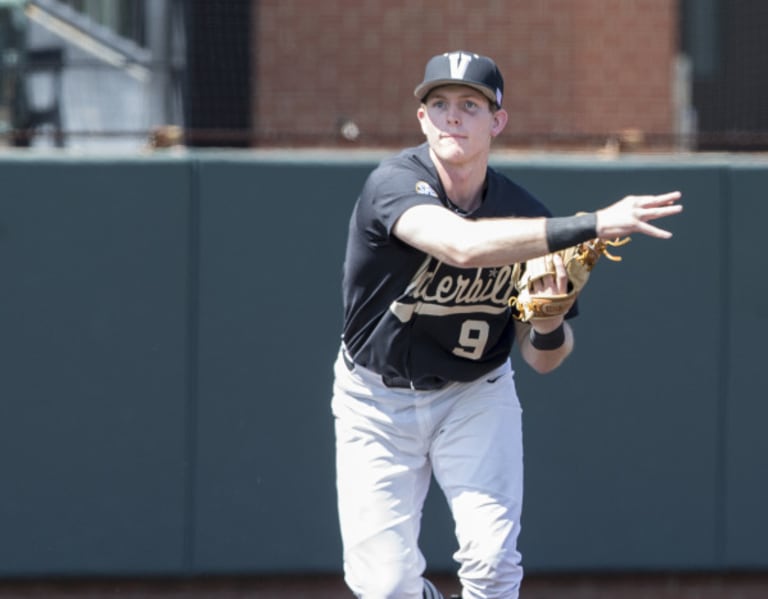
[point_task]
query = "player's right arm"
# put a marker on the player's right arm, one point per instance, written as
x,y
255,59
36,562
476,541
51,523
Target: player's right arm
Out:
x,y
468,243
542,361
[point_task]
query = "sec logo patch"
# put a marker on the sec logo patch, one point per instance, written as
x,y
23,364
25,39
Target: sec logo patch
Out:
x,y
425,189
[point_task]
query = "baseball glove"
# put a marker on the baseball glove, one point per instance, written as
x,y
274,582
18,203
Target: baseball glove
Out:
x,y
578,261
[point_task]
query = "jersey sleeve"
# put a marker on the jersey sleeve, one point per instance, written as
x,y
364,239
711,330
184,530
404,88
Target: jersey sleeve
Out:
x,y
391,190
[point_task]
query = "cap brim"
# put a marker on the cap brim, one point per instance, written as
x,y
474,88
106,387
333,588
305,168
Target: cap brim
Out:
x,y
423,90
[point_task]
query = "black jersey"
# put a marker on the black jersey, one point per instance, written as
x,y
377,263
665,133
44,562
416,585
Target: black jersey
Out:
x,y
407,315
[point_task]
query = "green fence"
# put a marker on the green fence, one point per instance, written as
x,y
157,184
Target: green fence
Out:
x,y
168,326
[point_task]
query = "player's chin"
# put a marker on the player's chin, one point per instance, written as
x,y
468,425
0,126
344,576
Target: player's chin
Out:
x,y
451,149
453,141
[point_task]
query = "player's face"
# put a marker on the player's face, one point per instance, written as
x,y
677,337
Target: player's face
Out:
x,y
459,123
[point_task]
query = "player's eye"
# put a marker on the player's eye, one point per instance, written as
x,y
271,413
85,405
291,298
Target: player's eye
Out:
x,y
470,105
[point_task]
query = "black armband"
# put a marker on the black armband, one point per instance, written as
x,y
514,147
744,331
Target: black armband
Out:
x,y
548,341
565,231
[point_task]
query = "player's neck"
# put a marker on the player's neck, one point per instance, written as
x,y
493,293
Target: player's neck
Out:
x,y
463,184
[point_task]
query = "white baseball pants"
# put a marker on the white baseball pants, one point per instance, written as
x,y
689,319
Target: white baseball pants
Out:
x,y
388,444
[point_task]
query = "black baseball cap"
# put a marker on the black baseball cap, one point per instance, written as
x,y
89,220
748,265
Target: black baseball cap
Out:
x,y
463,68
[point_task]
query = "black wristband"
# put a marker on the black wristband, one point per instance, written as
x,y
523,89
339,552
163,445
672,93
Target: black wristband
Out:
x,y
565,231
548,341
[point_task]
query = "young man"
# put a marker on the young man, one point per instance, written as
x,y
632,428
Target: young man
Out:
x,y
423,381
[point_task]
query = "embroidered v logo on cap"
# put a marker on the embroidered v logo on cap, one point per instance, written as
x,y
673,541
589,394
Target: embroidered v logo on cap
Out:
x,y
463,68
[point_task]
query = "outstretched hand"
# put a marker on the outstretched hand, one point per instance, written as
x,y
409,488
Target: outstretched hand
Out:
x,y
632,213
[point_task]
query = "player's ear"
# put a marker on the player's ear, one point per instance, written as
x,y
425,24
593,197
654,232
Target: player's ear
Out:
x,y
500,118
421,114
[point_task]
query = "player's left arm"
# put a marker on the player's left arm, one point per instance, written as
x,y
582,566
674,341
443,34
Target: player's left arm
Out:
x,y
554,336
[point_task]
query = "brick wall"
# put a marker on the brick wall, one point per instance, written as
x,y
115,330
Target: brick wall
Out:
x,y
573,68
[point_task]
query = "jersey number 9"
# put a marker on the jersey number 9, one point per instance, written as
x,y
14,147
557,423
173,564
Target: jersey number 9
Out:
x,y
472,339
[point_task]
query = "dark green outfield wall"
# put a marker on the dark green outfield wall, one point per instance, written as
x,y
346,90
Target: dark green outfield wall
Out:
x,y
168,325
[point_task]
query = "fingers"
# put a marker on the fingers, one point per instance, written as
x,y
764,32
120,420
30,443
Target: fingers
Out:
x,y
555,283
647,214
663,211
652,207
539,285
561,276
655,207
652,231
663,199
632,213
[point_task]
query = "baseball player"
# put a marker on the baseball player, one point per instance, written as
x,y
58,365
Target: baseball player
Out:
x,y
423,380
